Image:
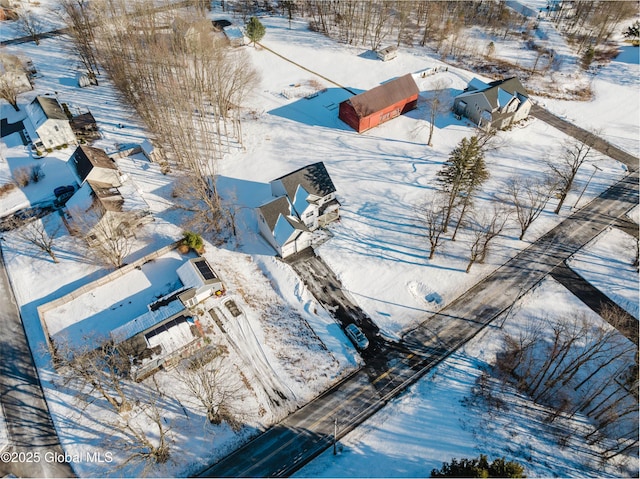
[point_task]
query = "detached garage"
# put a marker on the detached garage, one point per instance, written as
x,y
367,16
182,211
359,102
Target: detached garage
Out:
x,y
380,104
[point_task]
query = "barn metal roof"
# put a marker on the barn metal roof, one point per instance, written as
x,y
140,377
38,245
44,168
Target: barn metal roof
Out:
x,y
385,95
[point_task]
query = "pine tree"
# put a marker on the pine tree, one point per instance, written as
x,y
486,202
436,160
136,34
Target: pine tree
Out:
x,y
255,30
479,467
457,175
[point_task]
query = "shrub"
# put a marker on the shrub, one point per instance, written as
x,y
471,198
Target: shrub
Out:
x,y
6,188
22,176
36,174
193,241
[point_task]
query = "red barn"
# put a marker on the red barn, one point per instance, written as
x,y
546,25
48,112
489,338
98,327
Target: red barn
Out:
x,y
380,104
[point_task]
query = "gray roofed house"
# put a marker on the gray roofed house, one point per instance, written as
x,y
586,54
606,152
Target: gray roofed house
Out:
x,y
305,201
497,104
50,122
313,178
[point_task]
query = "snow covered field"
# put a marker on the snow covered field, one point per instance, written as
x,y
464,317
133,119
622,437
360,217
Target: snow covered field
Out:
x,y
607,263
377,250
437,420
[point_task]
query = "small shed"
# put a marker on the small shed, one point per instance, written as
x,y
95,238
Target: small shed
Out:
x,y
380,104
388,53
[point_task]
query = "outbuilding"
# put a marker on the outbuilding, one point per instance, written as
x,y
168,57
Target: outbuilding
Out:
x,y
380,104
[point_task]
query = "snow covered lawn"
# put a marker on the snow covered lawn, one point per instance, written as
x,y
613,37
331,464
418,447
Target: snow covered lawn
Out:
x,y
440,418
607,263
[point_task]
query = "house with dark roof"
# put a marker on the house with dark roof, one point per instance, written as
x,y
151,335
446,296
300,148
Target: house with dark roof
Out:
x,y
305,200
493,105
380,104
107,202
94,165
50,122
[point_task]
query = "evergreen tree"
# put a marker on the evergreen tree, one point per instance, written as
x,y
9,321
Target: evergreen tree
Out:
x,y
480,467
457,175
255,30
633,32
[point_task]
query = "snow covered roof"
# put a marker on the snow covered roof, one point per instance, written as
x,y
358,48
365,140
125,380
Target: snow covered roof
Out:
x,y
280,219
273,209
50,107
477,84
498,93
385,95
147,320
300,202
197,272
314,179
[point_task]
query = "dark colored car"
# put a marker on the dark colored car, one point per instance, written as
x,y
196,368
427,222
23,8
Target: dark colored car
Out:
x,y
61,190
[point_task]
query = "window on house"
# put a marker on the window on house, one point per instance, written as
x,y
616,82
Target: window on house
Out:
x,y
56,128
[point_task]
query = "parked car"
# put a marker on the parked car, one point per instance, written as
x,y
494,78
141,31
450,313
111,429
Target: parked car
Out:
x,y
357,337
61,190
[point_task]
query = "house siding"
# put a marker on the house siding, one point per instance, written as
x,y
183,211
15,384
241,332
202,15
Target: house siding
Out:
x,y
56,133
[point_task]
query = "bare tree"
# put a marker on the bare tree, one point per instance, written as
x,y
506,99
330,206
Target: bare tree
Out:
x,y
30,24
432,215
79,16
143,447
9,92
438,103
41,234
109,235
213,386
102,368
573,155
529,198
485,228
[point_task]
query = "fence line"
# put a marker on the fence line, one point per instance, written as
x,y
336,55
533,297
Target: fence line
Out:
x,y
44,308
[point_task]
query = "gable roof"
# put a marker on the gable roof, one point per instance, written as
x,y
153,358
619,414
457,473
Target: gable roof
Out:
x,y
51,108
498,93
385,95
314,179
278,214
86,158
147,320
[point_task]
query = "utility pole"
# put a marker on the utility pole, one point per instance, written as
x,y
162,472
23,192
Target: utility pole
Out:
x,y
595,168
335,434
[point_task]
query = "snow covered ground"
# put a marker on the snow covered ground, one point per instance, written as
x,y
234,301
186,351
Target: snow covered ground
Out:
x,y
607,263
377,249
436,419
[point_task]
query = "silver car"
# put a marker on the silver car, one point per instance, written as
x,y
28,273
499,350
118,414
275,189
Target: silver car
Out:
x,y
356,336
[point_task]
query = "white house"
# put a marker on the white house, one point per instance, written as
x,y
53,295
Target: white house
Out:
x,y
493,105
305,201
282,228
50,122
168,331
200,280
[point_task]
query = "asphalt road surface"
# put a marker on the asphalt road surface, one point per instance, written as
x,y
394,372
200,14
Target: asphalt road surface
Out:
x,y
34,450
292,443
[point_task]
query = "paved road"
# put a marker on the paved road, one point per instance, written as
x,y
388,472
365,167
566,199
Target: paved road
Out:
x,y
287,446
585,136
596,300
29,424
